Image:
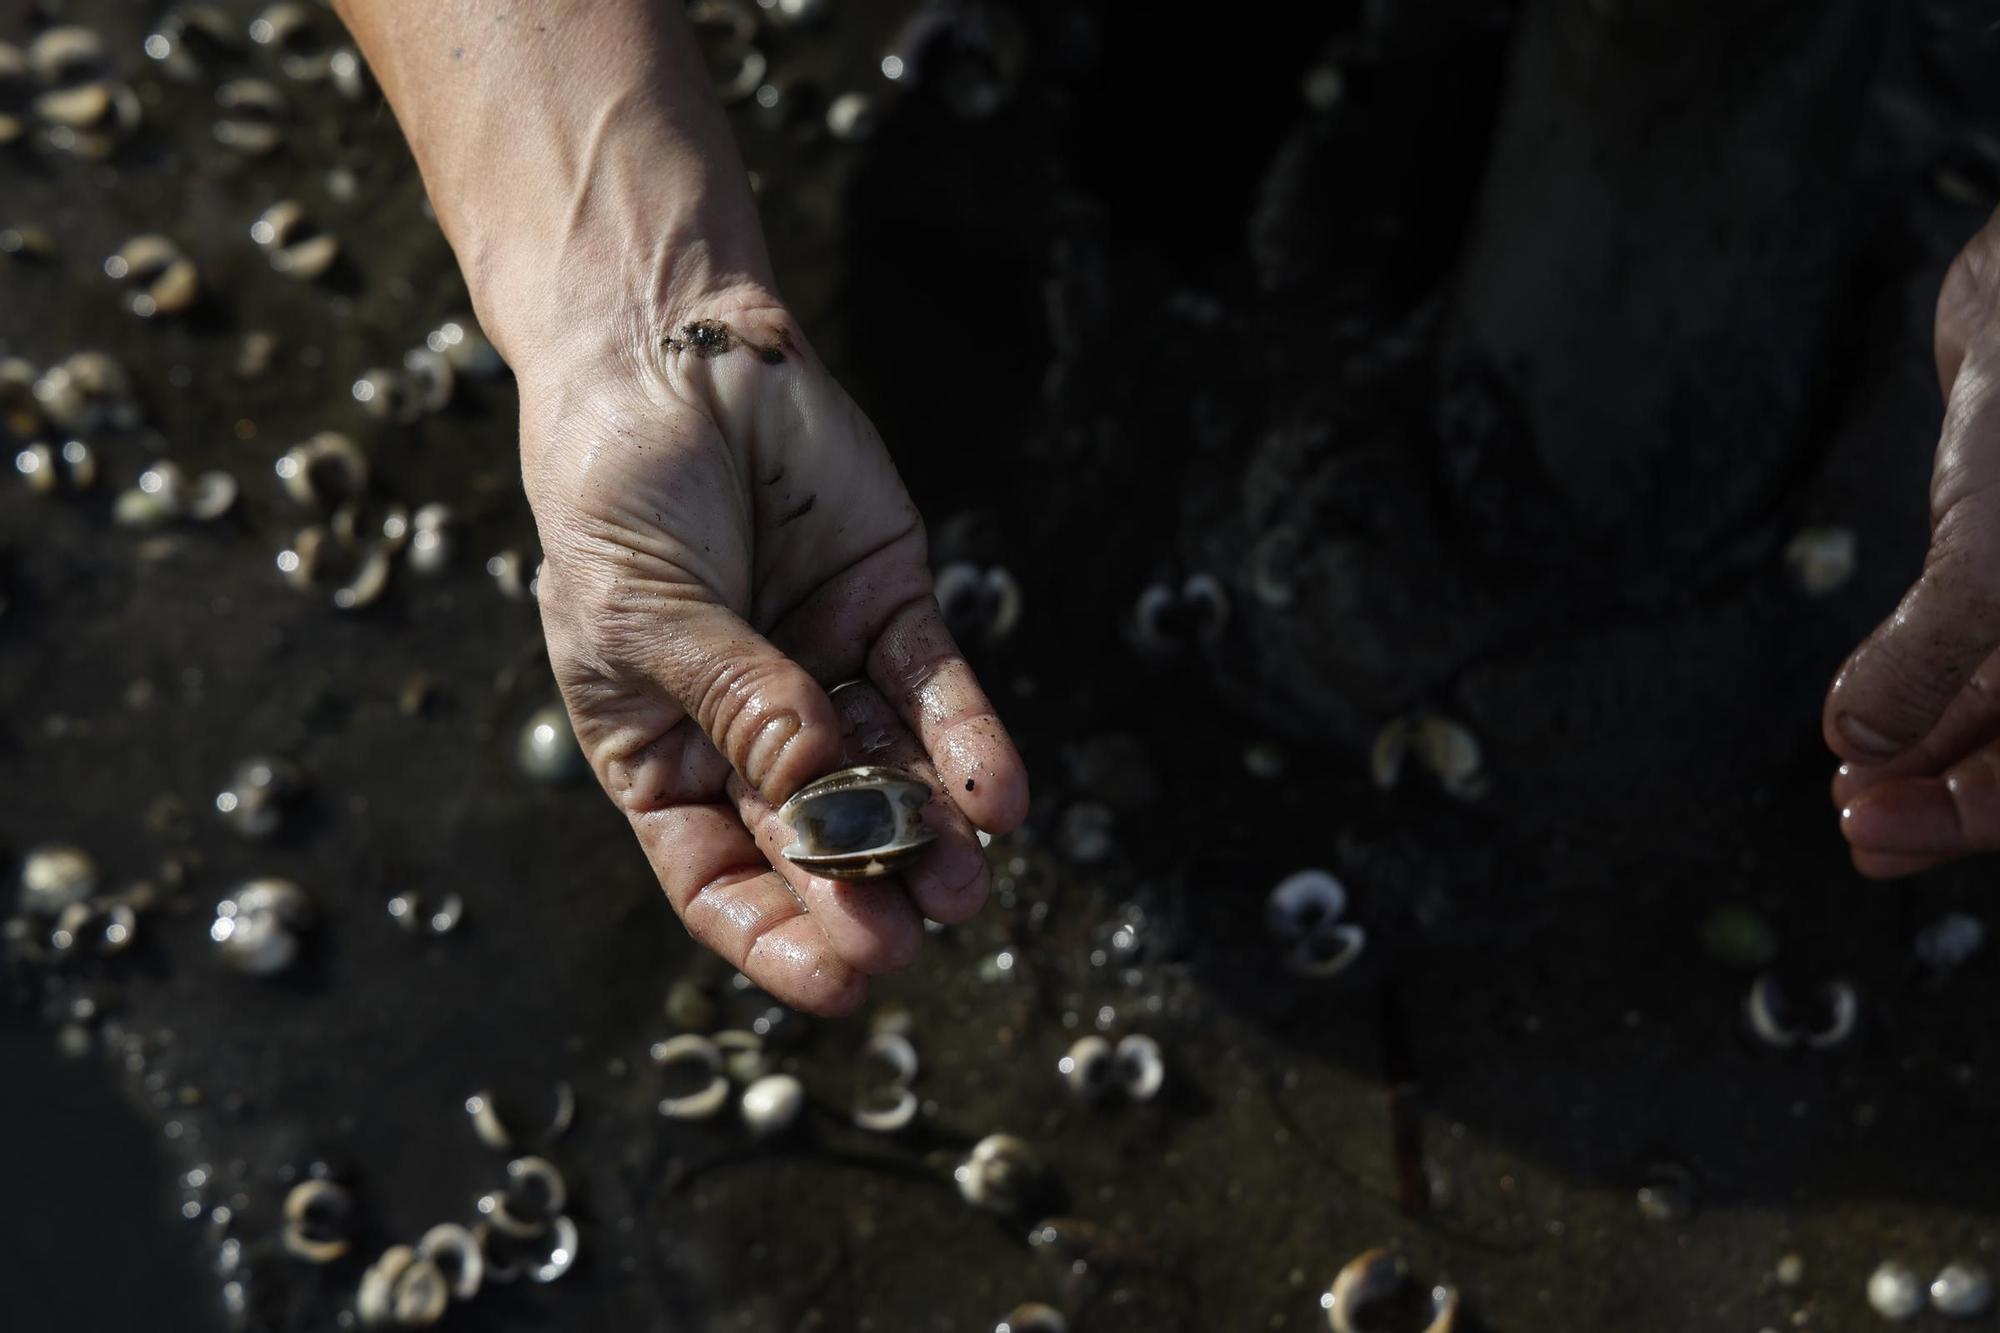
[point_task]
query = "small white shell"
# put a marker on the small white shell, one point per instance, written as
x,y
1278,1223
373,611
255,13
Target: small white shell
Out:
x,y
1373,1276
55,876
772,1104
310,1233
1962,1290
896,1050
323,470
370,581
1761,1016
255,927
1451,753
547,750
1895,1291
985,601
1140,1067
487,1126
1391,748
1844,1006
540,1174
1327,952
998,1174
1304,902
1368,1278
1087,1066
852,116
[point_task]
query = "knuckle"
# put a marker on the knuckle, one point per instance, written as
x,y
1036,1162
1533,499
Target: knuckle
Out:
x,y
736,700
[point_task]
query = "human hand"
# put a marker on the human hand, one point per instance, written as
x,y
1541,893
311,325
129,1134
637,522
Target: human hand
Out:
x,y
1915,710
723,536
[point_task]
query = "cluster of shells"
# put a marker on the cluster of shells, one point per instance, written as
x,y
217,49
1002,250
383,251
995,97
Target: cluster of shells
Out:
x,y
1962,1289
522,1231
63,912
972,55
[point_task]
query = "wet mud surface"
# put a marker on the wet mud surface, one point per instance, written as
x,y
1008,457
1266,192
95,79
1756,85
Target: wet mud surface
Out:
x,y
1537,1082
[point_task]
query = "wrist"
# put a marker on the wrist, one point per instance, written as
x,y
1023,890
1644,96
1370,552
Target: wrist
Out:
x,y
579,165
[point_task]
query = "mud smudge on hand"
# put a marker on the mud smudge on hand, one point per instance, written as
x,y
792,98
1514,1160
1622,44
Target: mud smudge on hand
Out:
x,y
711,337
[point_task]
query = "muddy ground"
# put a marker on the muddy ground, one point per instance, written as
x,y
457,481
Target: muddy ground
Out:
x,y
1079,328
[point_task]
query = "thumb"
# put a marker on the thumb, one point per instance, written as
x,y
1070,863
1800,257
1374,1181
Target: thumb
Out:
x,y
762,711
1896,685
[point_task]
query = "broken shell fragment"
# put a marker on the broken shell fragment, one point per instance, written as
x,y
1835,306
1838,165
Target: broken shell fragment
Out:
x,y
72,467
857,823
1087,1066
296,245
561,1254
160,279
1446,750
420,1295
317,1215
323,470
1303,902
87,108
507,569
1000,1174
256,928
853,116
978,604
726,31
253,804
88,391
253,121
301,37
1773,1019
456,1253
192,38
1305,909
374,1302
1371,1278
105,928
1140,1067
1166,618
430,538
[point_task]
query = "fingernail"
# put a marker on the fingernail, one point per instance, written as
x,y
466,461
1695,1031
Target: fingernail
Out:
x,y
771,741
1865,738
